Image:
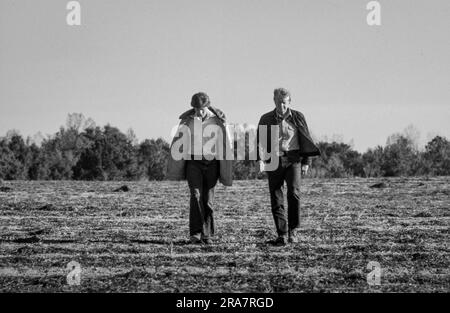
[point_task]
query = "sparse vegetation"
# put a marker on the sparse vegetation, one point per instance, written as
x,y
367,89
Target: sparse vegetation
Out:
x,y
138,240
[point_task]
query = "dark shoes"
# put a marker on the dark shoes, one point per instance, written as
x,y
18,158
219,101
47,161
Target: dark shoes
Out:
x,y
200,240
195,240
280,241
207,241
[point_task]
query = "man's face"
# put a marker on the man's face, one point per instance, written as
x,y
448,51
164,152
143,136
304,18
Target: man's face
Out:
x,y
282,103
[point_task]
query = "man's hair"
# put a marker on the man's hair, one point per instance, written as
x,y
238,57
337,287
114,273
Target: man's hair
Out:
x,y
281,93
200,100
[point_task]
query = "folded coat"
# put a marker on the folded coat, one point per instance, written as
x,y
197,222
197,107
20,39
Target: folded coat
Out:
x,y
307,147
176,169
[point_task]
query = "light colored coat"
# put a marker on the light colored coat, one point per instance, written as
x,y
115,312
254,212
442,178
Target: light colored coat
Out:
x,y
176,169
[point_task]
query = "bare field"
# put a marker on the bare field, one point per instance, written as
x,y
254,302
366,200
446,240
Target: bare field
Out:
x,y
137,241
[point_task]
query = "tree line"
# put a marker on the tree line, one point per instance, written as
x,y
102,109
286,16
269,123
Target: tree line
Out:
x,y
83,151
80,150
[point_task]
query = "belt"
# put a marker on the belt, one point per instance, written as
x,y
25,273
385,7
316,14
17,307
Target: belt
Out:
x,y
285,153
193,158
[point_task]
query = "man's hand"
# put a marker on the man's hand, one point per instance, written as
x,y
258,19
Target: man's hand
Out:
x,y
261,166
305,169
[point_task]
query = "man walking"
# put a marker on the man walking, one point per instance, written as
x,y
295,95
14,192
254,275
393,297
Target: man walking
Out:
x,y
203,137
294,149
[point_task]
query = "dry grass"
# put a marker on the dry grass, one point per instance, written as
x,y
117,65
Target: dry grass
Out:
x,y
136,241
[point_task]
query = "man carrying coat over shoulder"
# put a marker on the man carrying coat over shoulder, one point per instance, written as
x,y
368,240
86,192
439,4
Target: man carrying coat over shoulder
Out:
x,y
284,142
201,153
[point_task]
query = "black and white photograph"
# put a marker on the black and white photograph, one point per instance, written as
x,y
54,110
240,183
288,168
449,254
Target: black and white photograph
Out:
x,y
243,148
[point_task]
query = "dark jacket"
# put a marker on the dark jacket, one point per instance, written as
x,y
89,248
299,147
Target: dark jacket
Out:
x,y
176,169
307,146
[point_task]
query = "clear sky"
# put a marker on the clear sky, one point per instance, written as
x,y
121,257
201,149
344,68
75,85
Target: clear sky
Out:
x,y
137,63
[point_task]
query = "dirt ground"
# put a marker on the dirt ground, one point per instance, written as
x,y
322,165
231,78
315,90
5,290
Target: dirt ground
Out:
x,y
137,241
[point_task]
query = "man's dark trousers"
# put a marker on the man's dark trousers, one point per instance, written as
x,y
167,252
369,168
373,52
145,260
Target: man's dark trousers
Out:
x,y
291,173
202,176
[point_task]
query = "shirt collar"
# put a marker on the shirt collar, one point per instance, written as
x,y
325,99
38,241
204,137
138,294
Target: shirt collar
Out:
x,y
281,117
